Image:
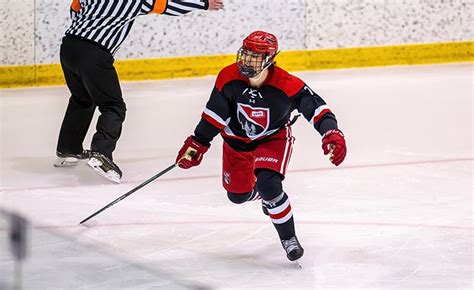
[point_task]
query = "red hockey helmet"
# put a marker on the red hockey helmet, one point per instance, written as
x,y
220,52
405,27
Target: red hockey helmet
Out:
x,y
257,52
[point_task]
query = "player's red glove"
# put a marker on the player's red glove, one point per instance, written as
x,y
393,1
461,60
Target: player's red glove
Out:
x,y
191,153
335,145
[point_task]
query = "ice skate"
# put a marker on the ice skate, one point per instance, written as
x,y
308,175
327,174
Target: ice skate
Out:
x,y
69,159
105,167
293,249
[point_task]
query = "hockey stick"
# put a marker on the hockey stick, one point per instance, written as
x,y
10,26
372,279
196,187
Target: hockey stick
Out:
x,y
188,155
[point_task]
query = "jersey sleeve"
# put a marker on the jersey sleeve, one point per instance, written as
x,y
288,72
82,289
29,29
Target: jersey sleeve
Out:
x,y
217,109
214,117
315,110
181,7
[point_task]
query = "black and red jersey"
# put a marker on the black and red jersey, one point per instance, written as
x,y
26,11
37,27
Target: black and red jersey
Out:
x,y
245,115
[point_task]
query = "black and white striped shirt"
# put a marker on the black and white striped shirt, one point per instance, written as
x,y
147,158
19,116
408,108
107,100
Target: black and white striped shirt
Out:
x,y
108,22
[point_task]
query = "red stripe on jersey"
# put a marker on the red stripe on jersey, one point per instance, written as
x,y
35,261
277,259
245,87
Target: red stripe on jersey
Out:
x,y
281,79
211,120
320,115
246,140
227,74
281,214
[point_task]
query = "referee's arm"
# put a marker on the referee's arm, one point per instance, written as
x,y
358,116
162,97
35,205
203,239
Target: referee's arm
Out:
x,y
181,7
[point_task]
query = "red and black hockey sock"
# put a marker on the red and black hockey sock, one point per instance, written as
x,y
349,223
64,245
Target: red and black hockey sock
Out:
x,y
279,209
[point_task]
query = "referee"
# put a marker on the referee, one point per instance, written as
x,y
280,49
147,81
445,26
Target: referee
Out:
x,y
98,29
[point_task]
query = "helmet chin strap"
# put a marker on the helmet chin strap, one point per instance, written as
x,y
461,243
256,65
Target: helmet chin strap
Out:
x,y
259,76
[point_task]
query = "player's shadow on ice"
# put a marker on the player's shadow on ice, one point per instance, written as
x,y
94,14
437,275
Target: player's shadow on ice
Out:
x,y
44,169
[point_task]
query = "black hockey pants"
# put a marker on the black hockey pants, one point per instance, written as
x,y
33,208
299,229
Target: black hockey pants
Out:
x,y
93,82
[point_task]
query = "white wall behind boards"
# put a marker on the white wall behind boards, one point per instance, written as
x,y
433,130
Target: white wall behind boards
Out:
x,y
359,23
32,35
17,34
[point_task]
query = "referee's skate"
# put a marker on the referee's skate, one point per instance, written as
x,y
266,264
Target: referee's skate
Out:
x,y
105,167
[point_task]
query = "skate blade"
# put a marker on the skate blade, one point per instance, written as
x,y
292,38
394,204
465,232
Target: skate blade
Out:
x,y
65,162
109,175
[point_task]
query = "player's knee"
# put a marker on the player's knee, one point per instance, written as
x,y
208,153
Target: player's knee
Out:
x,y
121,108
268,184
117,109
123,111
238,197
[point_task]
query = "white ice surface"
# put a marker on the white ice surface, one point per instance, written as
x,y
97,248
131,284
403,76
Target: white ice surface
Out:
x,y
396,215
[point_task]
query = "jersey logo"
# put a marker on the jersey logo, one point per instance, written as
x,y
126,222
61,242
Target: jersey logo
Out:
x,y
227,178
254,121
252,94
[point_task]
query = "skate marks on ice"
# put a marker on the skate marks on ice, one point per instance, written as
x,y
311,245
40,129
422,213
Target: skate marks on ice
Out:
x,y
396,215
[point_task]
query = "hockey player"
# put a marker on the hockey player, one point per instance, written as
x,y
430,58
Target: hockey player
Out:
x,y
250,106
97,30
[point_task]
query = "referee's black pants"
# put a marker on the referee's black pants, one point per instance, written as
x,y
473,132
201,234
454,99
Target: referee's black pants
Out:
x,y
93,82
